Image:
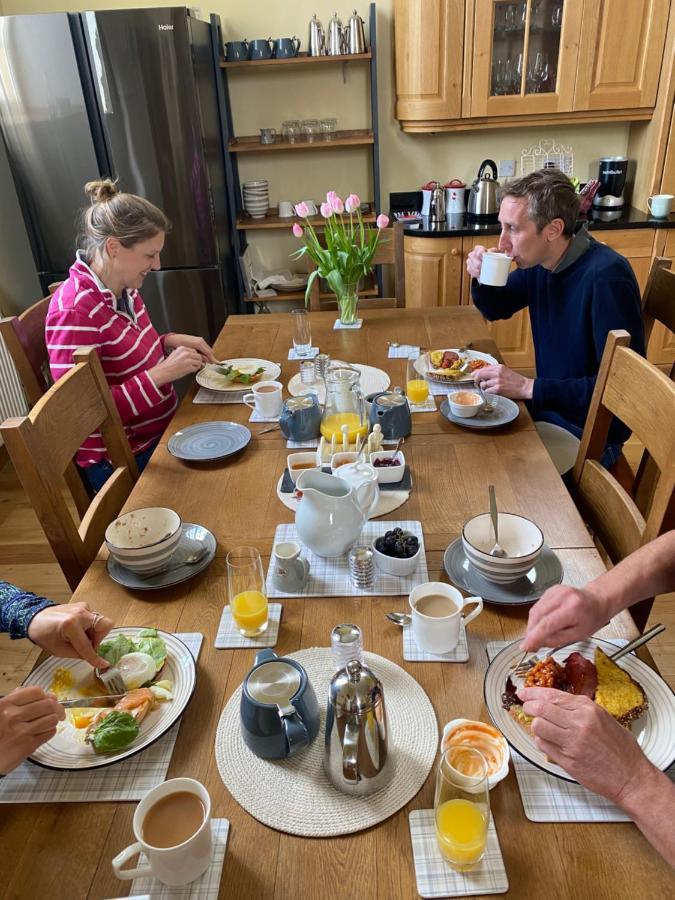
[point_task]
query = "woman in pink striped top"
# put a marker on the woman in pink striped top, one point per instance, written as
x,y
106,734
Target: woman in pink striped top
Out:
x,y
99,305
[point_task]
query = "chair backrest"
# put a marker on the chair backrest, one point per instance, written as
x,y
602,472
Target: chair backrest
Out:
x,y
389,252
658,299
631,388
24,337
42,445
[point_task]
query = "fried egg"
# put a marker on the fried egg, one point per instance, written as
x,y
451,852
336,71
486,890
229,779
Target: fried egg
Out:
x,y
136,669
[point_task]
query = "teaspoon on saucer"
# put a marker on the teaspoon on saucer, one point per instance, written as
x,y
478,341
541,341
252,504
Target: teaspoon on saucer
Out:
x,y
399,618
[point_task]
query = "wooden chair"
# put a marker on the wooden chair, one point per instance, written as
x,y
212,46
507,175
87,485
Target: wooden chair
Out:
x,y
389,252
24,337
42,444
631,388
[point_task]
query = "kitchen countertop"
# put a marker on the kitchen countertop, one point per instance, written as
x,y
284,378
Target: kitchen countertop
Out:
x,y
458,225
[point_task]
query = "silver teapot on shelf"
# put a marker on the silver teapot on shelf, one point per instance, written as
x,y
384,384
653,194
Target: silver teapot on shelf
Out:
x,y
316,46
437,205
335,40
354,34
356,753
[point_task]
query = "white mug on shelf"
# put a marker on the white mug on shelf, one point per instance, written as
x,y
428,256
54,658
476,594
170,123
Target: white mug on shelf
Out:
x,y
285,209
660,205
311,205
494,269
265,399
176,865
435,625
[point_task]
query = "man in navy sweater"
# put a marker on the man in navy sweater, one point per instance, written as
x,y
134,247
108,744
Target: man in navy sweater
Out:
x,y
576,289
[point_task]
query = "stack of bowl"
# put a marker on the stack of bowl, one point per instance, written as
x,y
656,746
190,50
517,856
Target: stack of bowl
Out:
x,y
520,539
256,198
144,540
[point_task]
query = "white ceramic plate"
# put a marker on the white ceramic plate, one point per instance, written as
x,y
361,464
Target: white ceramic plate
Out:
x,y
210,378
465,354
67,751
653,731
372,380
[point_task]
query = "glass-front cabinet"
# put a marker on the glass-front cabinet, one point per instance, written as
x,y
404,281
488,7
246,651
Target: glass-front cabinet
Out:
x,y
525,56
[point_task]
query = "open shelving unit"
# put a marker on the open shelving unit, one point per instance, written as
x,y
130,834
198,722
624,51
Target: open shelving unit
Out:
x,y
241,224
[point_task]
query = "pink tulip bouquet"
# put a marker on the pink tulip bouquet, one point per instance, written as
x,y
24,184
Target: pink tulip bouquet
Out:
x,y
348,252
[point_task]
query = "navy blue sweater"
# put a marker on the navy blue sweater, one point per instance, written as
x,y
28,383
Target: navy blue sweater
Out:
x,y
571,312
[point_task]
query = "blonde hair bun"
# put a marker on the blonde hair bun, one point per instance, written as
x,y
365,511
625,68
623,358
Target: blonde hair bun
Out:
x,y
100,191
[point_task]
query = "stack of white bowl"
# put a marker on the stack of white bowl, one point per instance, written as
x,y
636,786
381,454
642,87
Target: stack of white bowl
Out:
x,y
520,539
256,198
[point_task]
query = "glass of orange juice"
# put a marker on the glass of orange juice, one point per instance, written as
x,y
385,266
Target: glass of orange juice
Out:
x,y
462,806
417,387
246,590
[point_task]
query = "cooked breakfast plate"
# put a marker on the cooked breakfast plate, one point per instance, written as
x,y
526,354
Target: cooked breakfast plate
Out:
x,y
237,374
74,679
653,729
453,366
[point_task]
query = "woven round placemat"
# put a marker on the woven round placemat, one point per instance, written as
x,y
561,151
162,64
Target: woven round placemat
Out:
x,y
295,795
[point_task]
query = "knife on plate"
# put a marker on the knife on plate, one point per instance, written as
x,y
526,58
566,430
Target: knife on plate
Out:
x,y
92,702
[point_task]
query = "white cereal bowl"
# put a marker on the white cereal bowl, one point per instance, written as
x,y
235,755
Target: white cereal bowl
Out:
x,y
143,540
465,410
388,474
521,540
485,738
391,565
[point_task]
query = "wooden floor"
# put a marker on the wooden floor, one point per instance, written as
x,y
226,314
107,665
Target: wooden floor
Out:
x,y
27,560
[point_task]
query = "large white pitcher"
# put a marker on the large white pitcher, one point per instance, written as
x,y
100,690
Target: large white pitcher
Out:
x,y
331,513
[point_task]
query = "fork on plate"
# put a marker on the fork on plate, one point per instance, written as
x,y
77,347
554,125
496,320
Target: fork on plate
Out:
x,y
112,680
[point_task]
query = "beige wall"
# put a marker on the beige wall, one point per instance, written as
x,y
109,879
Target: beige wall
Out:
x,y
265,98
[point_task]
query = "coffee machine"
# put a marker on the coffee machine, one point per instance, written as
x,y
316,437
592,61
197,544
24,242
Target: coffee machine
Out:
x,y
612,177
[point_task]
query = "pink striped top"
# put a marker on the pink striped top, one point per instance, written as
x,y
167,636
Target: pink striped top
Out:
x,y
84,313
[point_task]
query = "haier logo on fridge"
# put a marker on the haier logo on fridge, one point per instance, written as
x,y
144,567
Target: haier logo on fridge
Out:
x,y
165,27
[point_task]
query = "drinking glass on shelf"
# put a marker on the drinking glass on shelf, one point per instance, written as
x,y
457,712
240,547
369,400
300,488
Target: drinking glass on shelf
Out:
x,y
556,15
540,71
246,591
328,128
462,807
517,77
521,16
302,334
508,77
416,386
311,129
291,130
498,77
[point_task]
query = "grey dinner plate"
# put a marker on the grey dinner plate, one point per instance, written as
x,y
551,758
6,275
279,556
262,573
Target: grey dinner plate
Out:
x,y
506,411
191,536
544,574
208,441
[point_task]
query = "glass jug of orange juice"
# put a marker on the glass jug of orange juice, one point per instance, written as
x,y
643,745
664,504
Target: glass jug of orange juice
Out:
x,y
345,405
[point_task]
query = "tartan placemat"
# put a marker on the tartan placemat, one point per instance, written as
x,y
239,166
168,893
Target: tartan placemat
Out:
x,y
230,638
337,324
549,799
130,779
429,405
404,351
203,888
206,395
257,417
413,653
329,577
438,389
436,878
311,353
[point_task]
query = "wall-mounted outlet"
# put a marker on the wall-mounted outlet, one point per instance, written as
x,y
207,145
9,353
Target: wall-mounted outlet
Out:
x,y
506,168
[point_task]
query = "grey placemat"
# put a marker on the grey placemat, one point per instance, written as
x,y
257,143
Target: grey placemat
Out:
x,y
329,576
129,779
206,395
436,878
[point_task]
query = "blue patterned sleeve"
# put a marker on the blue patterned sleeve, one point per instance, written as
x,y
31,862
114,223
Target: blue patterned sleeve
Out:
x,y
18,608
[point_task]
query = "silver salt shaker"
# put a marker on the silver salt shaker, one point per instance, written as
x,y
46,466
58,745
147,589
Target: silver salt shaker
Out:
x,y
321,365
346,642
361,567
307,375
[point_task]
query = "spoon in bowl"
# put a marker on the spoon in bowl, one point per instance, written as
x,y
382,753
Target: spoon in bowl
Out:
x,y
496,550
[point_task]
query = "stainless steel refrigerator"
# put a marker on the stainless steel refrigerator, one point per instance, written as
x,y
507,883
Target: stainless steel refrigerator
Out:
x,y
129,94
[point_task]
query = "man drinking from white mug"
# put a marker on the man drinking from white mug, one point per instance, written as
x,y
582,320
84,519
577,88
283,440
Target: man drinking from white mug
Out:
x,y
576,290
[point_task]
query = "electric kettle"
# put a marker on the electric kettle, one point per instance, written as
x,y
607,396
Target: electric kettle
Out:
x,y
483,192
356,757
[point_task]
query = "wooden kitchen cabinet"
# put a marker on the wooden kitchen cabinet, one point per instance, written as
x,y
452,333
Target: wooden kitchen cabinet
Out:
x,y
433,271
496,63
636,244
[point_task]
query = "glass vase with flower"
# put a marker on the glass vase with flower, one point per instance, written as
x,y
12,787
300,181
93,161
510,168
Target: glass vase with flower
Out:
x,y
346,253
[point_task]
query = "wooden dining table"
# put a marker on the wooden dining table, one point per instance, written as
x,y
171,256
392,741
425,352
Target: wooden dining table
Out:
x,y
63,850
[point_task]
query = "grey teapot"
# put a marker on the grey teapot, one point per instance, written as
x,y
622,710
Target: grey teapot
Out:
x,y
300,418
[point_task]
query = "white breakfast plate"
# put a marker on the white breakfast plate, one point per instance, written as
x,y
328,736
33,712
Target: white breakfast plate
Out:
x,y
466,354
372,381
653,731
66,751
209,378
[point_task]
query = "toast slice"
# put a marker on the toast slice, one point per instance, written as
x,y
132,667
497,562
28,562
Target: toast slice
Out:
x,y
617,692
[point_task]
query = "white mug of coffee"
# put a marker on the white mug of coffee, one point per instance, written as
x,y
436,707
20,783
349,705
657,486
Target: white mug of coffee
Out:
x,y
265,399
660,205
285,209
311,206
437,610
494,269
172,826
